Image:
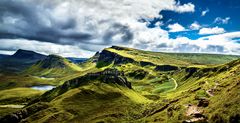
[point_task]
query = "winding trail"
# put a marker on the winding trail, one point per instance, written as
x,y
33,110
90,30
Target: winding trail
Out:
x,y
176,84
12,106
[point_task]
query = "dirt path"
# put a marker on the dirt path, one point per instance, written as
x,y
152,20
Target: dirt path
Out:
x,y
176,84
12,106
210,91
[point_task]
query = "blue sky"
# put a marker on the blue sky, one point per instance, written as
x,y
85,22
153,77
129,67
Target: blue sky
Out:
x,y
213,9
79,28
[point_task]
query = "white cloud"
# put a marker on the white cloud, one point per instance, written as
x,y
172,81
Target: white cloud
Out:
x,y
219,43
189,7
220,20
108,21
215,30
176,28
205,12
195,26
42,47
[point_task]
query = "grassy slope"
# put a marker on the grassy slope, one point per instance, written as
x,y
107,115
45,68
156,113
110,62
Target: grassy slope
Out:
x,y
174,58
14,88
110,103
222,106
93,102
16,96
13,81
102,102
55,71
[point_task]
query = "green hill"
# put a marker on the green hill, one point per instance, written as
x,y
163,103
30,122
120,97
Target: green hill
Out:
x,y
19,61
129,85
53,66
122,54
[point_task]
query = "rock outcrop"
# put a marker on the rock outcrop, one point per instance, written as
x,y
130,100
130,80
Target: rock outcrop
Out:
x,y
24,113
166,68
144,63
109,76
108,57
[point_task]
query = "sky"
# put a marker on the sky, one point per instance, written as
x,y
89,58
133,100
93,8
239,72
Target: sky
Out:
x,y
79,28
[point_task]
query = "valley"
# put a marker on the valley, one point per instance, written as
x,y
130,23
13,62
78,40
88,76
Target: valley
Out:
x,y
120,84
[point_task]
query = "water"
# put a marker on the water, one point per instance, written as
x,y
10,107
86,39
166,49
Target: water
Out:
x,y
43,87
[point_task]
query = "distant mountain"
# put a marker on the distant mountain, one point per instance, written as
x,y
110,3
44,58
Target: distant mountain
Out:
x,y
26,54
77,60
23,59
19,61
3,56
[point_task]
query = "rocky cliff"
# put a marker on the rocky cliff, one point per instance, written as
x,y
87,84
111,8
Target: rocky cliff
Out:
x,y
108,56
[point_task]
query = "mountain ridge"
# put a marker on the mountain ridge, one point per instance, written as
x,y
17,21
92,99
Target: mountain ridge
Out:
x,y
27,54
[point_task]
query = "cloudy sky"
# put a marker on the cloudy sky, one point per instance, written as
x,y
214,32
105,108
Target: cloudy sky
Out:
x,y
79,28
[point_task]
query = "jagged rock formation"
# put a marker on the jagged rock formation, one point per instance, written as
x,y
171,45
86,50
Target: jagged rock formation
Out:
x,y
107,56
107,76
95,57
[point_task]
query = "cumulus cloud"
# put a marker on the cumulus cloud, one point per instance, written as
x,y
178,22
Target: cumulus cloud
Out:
x,y
220,43
11,45
176,28
215,30
205,12
87,24
81,27
220,20
189,7
195,26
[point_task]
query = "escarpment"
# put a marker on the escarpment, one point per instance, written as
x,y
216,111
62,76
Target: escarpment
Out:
x,y
108,56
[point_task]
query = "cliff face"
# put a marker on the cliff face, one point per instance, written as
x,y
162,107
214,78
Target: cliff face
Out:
x,y
166,68
107,56
107,76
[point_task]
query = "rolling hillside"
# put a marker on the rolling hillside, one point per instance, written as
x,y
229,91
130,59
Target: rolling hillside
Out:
x,y
128,85
53,66
158,58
